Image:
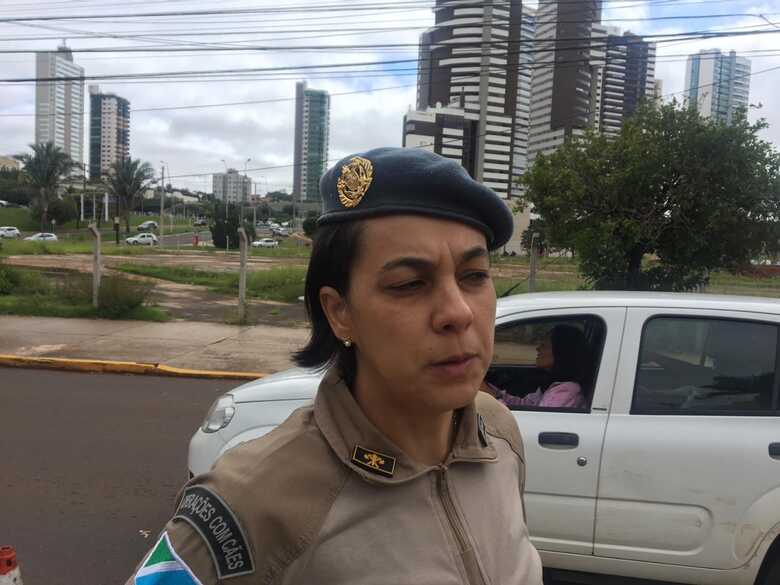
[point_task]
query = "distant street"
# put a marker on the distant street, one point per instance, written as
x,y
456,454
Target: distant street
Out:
x,y
185,239
91,466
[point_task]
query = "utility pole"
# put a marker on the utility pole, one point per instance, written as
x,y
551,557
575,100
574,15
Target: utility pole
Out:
x,y
162,201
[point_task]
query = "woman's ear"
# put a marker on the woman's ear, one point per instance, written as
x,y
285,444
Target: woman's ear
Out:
x,y
337,312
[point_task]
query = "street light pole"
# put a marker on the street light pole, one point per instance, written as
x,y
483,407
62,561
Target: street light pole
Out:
x,y
162,201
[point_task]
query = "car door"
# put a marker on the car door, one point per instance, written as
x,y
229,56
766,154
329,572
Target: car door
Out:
x,y
690,471
562,446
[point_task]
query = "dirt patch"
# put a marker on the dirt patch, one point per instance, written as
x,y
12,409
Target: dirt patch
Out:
x,y
184,302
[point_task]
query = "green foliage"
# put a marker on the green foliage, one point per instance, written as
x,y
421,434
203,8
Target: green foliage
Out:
x,y
695,194
60,210
14,187
224,230
310,226
43,170
127,180
538,226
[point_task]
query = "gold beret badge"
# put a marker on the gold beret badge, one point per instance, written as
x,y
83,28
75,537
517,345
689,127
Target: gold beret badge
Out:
x,y
354,181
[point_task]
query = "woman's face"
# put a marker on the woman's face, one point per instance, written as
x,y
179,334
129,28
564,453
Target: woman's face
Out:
x,y
420,311
544,354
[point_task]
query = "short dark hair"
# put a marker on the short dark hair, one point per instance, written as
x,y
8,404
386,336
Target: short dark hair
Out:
x,y
569,349
334,253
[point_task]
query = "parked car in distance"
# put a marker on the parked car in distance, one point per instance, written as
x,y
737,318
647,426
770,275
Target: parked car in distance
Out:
x,y
146,239
42,237
201,221
148,225
280,231
265,243
670,474
3,203
10,232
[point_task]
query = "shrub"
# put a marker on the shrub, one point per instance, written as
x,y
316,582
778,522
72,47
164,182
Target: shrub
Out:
x,y
119,296
9,280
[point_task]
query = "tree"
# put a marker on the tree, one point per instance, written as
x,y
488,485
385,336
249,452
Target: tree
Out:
x,y
127,180
44,169
309,226
224,229
15,188
535,225
671,198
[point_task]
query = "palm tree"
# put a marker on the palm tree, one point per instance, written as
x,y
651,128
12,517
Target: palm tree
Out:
x,y
44,169
127,180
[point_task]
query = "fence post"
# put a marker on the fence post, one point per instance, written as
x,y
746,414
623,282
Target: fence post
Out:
x,y
534,255
243,242
95,264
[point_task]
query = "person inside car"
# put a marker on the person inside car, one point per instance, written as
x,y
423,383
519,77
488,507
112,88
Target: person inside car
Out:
x,y
563,354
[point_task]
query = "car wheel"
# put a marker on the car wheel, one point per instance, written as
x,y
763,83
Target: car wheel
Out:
x,y
770,573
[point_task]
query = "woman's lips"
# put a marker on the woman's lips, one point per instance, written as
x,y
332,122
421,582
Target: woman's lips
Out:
x,y
456,366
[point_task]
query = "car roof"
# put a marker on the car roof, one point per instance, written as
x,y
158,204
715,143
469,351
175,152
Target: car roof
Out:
x,y
592,299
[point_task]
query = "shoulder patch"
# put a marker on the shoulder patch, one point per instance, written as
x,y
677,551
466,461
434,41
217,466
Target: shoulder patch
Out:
x,y
207,513
163,566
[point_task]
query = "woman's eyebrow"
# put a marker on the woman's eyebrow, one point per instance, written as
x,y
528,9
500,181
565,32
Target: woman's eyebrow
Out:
x,y
417,263
408,262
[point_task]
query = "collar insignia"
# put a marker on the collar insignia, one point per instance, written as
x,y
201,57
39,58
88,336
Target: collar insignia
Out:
x,y
354,181
373,461
481,431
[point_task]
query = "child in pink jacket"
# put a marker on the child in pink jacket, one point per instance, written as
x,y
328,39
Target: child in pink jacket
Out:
x,y
561,353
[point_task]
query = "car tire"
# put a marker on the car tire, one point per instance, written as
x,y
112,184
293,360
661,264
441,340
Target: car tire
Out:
x,y
770,573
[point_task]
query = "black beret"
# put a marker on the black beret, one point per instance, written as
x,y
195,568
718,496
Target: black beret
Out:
x,y
391,181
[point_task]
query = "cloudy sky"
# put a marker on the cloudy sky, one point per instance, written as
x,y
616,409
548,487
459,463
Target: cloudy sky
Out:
x,y
368,101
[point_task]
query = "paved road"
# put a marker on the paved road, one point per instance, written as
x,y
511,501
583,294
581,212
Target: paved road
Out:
x,y
90,467
88,461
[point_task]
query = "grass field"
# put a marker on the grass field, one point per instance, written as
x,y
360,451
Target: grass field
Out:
x,y
283,284
30,292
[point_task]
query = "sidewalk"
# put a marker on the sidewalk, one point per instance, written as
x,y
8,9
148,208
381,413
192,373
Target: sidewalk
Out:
x,y
182,344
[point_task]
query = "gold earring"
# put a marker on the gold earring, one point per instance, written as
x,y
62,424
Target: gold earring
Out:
x,y
347,343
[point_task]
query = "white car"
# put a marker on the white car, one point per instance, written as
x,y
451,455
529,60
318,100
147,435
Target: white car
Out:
x,y
672,472
280,231
146,239
265,243
147,226
9,232
42,237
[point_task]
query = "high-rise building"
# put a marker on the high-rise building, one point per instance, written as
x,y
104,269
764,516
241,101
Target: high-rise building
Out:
x,y
567,75
523,111
717,84
586,75
312,134
231,187
450,132
109,131
469,60
59,105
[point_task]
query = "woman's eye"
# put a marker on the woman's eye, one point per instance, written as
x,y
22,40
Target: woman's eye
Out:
x,y
411,285
477,277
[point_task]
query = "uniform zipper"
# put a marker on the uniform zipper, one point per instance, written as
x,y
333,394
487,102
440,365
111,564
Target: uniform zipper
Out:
x,y
451,513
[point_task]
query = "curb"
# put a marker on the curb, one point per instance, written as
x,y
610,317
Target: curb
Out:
x,y
116,367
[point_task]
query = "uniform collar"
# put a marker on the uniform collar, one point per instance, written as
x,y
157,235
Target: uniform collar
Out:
x,y
368,452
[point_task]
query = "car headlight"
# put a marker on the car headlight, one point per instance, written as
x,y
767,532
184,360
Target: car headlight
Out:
x,y
220,415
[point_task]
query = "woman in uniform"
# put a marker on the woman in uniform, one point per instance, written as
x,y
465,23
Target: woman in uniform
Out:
x,y
401,472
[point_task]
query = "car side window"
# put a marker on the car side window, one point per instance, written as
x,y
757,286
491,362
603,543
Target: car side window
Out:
x,y
547,363
690,366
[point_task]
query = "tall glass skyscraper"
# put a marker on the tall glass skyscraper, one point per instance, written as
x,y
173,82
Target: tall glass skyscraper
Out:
x,y
59,105
717,84
312,133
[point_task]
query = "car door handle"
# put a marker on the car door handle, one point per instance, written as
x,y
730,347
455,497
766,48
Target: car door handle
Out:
x,y
567,440
774,450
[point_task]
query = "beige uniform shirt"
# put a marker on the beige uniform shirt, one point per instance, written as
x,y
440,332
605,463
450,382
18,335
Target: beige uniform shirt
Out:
x,y
325,498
